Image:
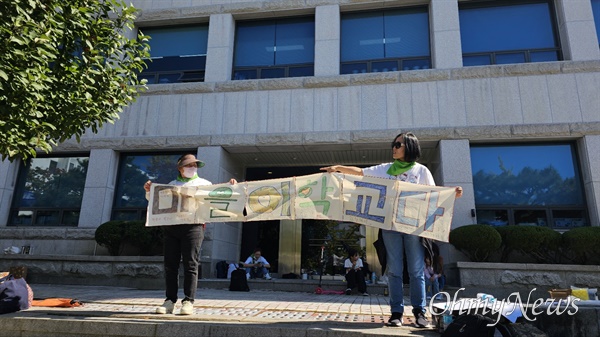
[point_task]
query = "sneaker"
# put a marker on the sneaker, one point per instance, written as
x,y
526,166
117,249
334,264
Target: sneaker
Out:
x,y
395,320
421,321
268,277
166,308
187,308
365,293
348,291
247,276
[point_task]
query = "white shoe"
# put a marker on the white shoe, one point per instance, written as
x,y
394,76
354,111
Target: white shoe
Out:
x,y
247,276
268,277
187,308
166,308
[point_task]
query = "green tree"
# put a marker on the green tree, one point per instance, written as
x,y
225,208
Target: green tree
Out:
x,y
66,67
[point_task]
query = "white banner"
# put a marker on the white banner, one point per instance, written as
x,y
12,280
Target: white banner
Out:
x,y
383,203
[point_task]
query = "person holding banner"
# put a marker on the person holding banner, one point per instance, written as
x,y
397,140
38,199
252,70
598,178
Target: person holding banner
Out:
x,y
182,242
406,150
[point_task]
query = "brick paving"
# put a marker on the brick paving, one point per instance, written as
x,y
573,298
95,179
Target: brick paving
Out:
x,y
221,305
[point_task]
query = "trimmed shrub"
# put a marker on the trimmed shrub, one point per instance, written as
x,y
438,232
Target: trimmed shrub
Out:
x,y
110,235
540,243
476,241
114,235
583,244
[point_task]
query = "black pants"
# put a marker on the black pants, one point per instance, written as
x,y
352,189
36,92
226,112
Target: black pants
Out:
x,y
182,242
356,278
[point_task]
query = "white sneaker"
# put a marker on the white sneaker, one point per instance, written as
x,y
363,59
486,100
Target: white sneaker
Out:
x,y
268,277
187,308
247,276
166,308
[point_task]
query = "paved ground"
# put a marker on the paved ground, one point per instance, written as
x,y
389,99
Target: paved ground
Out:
x,y
217,312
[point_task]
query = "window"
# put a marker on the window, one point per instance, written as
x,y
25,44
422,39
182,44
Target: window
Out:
x,y
134,170
49,192
385,41
509,32
274,49
537,184
177,54
596,11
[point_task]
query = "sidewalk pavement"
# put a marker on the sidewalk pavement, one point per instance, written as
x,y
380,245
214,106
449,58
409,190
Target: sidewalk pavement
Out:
x,y
119,311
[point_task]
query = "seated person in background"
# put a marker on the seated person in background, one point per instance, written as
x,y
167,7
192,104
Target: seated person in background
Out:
x,y
257,266
432,285
354,273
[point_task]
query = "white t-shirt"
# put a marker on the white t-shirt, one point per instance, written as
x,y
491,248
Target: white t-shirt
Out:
x,y
260,259
418,174
348,264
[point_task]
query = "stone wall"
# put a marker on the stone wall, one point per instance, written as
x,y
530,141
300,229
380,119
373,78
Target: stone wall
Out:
x,y
142,272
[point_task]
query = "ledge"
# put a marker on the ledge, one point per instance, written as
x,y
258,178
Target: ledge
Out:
x,y
392,77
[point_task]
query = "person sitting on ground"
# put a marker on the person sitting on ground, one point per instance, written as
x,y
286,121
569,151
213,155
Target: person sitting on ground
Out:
x,y
432,284
257,266
354,273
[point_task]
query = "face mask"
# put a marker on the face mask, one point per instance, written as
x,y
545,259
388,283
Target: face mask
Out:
x,y
189,172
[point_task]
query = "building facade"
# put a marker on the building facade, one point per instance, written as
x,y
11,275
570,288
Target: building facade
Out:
x,y
503,95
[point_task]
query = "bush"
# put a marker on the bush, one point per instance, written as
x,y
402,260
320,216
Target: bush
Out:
x,y
476,241
583,244
114,235
110,235
540,243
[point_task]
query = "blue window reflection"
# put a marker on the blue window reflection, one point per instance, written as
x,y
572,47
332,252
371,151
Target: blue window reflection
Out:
x,y
596,11
537,184
367,39
135,170
262,46
389,34
49,192
177,54
526,175
484,29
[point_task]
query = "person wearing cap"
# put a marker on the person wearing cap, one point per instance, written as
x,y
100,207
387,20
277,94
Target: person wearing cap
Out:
x,y
182,242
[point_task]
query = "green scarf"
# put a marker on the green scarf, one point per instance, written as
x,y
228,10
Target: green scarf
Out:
x,y
399,167
185,180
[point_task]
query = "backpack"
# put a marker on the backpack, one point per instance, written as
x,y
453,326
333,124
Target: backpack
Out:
x,y
15,294
470,326
222,267
238,281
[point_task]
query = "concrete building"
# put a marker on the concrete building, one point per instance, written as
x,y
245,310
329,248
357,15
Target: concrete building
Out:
x,y
498,92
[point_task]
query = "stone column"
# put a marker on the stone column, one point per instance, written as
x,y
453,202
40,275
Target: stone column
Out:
x,y
590,168
8,179
222,239
446,51
327,40
577,30
219,54
99,190
455,170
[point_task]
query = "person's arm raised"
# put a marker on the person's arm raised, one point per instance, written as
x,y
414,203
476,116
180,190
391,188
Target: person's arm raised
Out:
x,y
357,171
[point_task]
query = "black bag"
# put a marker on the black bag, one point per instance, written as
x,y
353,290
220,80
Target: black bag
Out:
x,y
222,267
14,294
238,281
381,253
470,326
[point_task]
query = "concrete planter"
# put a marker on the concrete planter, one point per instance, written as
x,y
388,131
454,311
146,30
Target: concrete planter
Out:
x,y
503,279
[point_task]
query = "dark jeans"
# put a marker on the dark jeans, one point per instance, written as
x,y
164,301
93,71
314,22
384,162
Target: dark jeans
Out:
x,y
356,278
182,242
257,272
